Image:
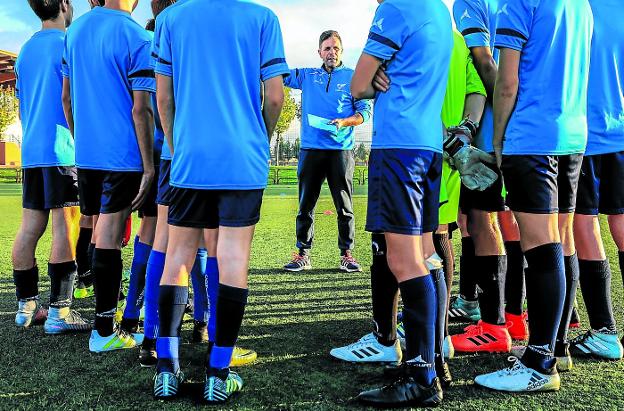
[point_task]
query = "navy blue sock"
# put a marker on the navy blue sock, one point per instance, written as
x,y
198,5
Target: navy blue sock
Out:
x,y
571,265
107,267
212,285
514,281
171,304
467,277
137,279
198,279
155,268
595,279
385,293
419,319
545,283
62,277
230,310
439,281
491,280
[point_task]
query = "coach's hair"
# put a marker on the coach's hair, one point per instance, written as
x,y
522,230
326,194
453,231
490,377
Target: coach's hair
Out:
x,y
46,9
157,8
329,34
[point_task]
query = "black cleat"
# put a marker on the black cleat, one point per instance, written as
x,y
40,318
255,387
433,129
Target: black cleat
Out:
x,y
147,353
444,373
200,332
404,392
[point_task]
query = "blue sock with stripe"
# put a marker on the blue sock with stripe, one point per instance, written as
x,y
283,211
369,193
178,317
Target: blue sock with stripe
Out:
x,y
171,304
137,278
212,284
167,351
198,279
155,268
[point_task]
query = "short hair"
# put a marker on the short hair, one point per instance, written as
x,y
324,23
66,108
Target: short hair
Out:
x,y
159,5
46,9
102,2
329,34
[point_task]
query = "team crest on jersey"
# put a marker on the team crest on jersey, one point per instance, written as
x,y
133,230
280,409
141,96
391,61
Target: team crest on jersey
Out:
x,y
379,24
341,87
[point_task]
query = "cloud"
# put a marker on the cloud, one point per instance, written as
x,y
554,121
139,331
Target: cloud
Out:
x,y
9,24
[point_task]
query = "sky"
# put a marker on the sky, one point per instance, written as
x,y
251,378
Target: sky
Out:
x,y
302,22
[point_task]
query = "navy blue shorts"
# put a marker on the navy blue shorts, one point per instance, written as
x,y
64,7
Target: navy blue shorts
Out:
x,y
601,185
164,189
491,199
542,184
107,192
149,208
214,208
47,188
403,191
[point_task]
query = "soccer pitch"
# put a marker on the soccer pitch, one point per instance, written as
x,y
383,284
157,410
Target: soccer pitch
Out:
x,y
292,321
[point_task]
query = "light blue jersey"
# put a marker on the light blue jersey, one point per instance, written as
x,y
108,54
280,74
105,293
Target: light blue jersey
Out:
x,y
217,53
605,96
107,58
46,140
326,96
554,38
414,39
476,20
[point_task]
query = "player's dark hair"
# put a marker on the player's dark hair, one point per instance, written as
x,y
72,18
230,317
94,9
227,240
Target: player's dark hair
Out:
x,y
329,34
157,8
46,9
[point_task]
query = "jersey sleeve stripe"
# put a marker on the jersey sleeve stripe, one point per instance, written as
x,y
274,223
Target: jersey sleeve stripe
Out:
x,y
273,62
142,73
512,33
383,40
162,61
473,30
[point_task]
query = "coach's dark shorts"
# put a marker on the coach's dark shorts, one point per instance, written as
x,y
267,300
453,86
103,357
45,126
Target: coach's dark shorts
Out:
x,y
149,208
47,188
214,208
403,191
541,184
164,189
107,192
601,185
490,199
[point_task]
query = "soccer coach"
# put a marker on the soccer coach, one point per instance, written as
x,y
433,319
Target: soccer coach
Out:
x,y
329,115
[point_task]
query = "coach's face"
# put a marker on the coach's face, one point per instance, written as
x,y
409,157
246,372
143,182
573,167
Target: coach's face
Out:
x,y
331,52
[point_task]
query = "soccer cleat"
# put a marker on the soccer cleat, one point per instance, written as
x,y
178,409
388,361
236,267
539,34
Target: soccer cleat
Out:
x,y
83,291
167,384
601,344
483,337
443,372
30,312
200,332
517,326
404,392
147,353
118,340
299,263
243,356
221,385
401,334
129,325
519,378
448,350
72,322
368,349
349,264
461,310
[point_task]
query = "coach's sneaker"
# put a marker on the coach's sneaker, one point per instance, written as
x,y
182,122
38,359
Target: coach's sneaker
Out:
x,y
167,384
483,337
64,320
118,340
299,263
601,344
368,349
349,264
221,385
519,378
404,392
517,326
147,353
460,309
243,356
200,332
30,312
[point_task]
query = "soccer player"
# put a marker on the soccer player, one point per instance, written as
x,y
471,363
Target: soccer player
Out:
x,y
49,187
113,151
600,184
413,40
197,102
540,134
329,117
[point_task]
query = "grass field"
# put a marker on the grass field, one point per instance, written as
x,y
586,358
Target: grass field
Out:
x,y
292,320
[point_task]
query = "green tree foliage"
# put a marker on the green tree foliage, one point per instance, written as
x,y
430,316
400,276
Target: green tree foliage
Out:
x,y
296,148
8,108
361,153
289,111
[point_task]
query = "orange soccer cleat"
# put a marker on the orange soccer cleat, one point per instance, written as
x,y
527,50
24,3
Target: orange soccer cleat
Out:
x,y
517,326
483,337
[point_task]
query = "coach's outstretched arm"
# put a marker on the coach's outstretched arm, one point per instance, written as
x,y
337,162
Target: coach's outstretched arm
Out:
x,y
273,102
505,95
143,118
67,104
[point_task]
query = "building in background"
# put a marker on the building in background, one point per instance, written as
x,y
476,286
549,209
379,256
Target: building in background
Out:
x,y
7,69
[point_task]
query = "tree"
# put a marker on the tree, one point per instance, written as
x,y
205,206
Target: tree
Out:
x,y
287,151
296,148
288,114
361,152
8,108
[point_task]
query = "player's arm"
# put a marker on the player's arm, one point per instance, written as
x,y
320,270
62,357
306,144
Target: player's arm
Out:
x,y
505,95
166,106
143,118
474,106
67,104
486,67
362,81
273,102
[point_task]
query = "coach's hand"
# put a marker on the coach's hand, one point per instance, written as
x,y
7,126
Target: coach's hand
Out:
x,y
381,81
471,164
146,182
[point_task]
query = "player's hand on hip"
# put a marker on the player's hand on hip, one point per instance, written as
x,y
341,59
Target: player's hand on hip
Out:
x,y
146,182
